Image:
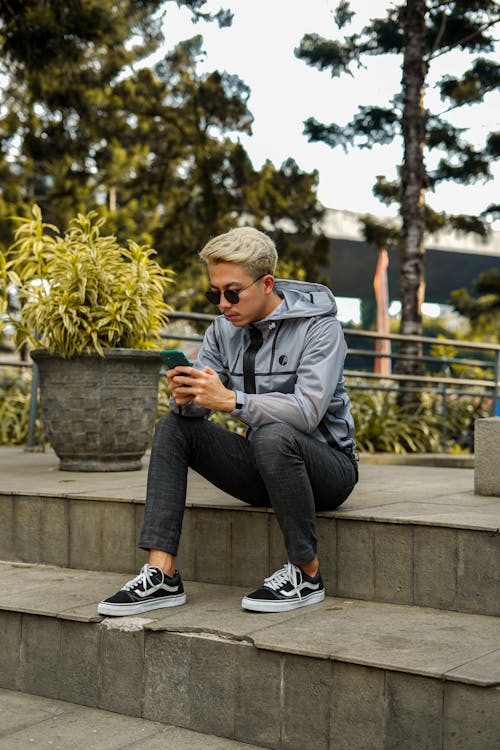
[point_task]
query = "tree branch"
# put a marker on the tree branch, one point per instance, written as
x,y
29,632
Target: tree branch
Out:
x,y
439,36
467,38
471,100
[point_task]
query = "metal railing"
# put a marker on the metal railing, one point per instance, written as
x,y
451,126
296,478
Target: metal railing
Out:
x,y
439,378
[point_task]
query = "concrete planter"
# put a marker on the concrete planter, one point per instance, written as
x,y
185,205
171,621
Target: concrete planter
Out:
x,y
99,412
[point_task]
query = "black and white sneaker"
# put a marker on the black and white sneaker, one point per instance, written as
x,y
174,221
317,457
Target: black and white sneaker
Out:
x,y
288,588
151,589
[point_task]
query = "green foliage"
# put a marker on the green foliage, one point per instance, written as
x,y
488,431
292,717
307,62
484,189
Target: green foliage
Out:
x,y
482,307
382,426
163,398
15,399
82,291
461,413
369,124
379,234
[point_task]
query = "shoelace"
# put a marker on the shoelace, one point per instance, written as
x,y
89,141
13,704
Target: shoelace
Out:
x,y
143,579
289,573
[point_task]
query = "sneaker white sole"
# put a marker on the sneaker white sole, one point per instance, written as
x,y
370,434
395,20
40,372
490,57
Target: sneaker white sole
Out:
x,y
281,605
121,610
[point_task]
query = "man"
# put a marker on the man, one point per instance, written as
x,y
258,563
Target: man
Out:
x,y
274,359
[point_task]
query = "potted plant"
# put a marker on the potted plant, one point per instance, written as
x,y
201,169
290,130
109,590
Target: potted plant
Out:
x,y
93,310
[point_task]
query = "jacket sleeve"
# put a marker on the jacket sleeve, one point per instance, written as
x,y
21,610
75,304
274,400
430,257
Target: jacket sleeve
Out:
x,y
319,372
208,356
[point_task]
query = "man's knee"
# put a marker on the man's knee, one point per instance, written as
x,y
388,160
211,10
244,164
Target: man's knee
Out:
x,y
173,427
166,423
273,438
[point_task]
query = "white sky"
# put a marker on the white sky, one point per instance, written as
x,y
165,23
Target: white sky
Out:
x,y
259,47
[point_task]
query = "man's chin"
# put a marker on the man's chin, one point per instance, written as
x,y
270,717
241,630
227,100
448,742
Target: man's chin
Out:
x,y
236,321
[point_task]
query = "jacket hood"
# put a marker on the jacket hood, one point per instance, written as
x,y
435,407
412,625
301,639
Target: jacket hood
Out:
x,y
304,299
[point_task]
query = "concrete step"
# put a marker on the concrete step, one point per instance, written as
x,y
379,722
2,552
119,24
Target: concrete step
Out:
x,y
47,724
407,535
339,675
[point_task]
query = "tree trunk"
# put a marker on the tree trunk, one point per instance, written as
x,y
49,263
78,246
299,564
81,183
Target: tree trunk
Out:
x,y
413,185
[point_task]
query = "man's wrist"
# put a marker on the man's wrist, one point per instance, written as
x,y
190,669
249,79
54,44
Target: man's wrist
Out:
x,y
238,400
225,403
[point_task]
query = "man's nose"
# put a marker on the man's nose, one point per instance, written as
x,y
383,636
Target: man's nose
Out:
x,y
223,303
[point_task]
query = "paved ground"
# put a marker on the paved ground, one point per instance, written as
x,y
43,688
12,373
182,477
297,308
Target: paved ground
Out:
x,y
29,721
430,495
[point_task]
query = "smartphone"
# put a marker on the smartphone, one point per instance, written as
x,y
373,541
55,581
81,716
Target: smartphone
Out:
x,y
173,357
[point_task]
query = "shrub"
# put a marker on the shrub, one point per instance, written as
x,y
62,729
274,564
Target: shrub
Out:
x,y
15,392
382,426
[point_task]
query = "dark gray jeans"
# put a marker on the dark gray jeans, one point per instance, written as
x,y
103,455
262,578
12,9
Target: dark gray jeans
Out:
x,y
278,466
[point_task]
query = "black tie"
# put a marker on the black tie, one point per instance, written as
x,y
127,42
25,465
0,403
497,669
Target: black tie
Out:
x,y
249,359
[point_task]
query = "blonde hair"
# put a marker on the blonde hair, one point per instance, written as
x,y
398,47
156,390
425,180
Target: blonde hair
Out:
x,y
253,249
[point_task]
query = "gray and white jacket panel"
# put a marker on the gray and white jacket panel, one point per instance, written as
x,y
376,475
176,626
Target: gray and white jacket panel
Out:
x,y
298,369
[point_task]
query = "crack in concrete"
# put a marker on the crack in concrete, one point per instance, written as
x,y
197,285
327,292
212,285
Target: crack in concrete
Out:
x,y
210,633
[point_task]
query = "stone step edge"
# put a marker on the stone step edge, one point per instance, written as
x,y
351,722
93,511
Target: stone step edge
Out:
x,y
468,672
371,514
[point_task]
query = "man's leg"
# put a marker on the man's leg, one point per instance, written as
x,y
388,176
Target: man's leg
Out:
x,y
223,458
302,476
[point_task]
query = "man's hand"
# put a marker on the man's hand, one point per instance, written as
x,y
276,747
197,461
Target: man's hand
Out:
x,y
202,387
177,390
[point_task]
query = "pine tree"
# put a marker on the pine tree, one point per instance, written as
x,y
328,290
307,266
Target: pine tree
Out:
x,y
419,31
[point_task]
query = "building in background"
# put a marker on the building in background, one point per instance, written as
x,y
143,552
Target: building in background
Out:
x,y
452,260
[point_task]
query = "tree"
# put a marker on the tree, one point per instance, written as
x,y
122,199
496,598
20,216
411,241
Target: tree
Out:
x,y
61,64
419,31
154,145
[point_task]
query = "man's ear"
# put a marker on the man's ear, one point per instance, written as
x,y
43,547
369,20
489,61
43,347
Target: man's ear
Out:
x,y
268,283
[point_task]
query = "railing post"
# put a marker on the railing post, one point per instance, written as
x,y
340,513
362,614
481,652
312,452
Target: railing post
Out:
x,y
444,416
495,406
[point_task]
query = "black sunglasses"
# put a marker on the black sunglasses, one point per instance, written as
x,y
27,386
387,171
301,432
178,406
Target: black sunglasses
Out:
x,y
231,295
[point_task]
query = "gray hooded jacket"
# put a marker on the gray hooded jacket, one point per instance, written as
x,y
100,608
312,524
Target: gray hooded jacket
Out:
x,y
294,374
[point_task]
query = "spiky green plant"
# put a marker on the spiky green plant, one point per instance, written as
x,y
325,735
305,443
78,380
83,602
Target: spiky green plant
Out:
x,y
382,426
81,291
